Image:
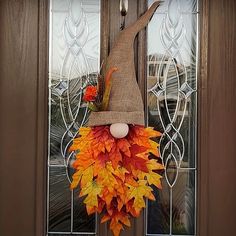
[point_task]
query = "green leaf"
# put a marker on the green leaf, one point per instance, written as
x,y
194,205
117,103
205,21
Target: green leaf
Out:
x,y
92,106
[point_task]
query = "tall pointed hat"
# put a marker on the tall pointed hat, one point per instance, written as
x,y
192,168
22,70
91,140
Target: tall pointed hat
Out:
x,y
125,103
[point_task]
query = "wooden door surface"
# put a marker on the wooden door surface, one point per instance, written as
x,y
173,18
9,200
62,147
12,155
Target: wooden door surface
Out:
x,y
217,112
23,102
24,113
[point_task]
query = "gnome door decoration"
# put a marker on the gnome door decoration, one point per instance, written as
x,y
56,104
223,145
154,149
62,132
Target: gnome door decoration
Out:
x,y
117,164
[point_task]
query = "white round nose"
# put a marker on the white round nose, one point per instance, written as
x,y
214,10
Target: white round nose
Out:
x,y
119,130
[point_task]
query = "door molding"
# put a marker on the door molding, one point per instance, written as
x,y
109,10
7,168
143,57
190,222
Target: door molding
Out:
x,y
42,119
202,129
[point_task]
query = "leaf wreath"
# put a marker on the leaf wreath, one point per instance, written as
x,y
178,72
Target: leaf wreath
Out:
x,y
116,175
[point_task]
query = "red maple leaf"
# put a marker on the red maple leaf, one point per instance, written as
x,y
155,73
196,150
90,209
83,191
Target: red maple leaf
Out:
x,y
134,161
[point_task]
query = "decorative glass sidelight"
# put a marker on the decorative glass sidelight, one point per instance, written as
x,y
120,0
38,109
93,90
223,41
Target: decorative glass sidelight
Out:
x,y
74,51
172,105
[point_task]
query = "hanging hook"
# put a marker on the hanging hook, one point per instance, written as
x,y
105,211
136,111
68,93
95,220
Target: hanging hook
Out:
x,y
123,12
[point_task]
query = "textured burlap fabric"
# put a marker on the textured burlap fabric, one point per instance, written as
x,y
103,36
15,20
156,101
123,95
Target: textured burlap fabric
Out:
x,y
125,103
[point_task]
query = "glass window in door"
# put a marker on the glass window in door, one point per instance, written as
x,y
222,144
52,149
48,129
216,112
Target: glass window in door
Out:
x,y
74,52
172,109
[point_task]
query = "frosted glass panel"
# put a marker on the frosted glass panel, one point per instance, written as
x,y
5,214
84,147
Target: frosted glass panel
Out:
x,y
74,51
172,105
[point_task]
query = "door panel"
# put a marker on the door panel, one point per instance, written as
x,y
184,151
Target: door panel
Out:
x,y
74,51
217,85
22,120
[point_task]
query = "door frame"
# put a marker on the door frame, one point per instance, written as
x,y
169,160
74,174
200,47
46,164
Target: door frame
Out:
x,y
205,158
202,129
141,48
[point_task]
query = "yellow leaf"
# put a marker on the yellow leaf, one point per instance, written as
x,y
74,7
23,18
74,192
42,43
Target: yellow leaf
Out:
x,y
138,193
84,131
92,190
152,133
76,179
154,165
87,176
106,178
154,178
80,144
119,171
153,148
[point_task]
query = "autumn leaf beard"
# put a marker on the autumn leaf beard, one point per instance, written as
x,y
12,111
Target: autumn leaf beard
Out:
x,y
115,175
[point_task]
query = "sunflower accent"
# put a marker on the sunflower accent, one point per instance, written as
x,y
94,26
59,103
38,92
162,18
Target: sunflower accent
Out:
x,y
115,175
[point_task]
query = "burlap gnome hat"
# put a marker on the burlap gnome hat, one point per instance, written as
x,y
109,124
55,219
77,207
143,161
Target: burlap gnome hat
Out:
x,y
125,103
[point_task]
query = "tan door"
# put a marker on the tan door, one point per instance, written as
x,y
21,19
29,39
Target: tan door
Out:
x,y
24,114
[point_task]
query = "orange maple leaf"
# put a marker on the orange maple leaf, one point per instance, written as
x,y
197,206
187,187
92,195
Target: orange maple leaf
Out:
x,y
124,146
100,162
117,219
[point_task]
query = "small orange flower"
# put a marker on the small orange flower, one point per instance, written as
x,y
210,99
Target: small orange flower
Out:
x,y
90,94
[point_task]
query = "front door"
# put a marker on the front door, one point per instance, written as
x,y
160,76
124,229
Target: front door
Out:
x,y
186,90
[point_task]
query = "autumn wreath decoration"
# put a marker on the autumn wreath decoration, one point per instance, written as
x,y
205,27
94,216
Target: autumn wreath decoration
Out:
x,y
115,174
117,159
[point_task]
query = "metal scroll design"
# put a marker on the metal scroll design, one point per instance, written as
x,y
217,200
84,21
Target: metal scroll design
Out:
x,y
75,73
172,77
173,88
74,63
